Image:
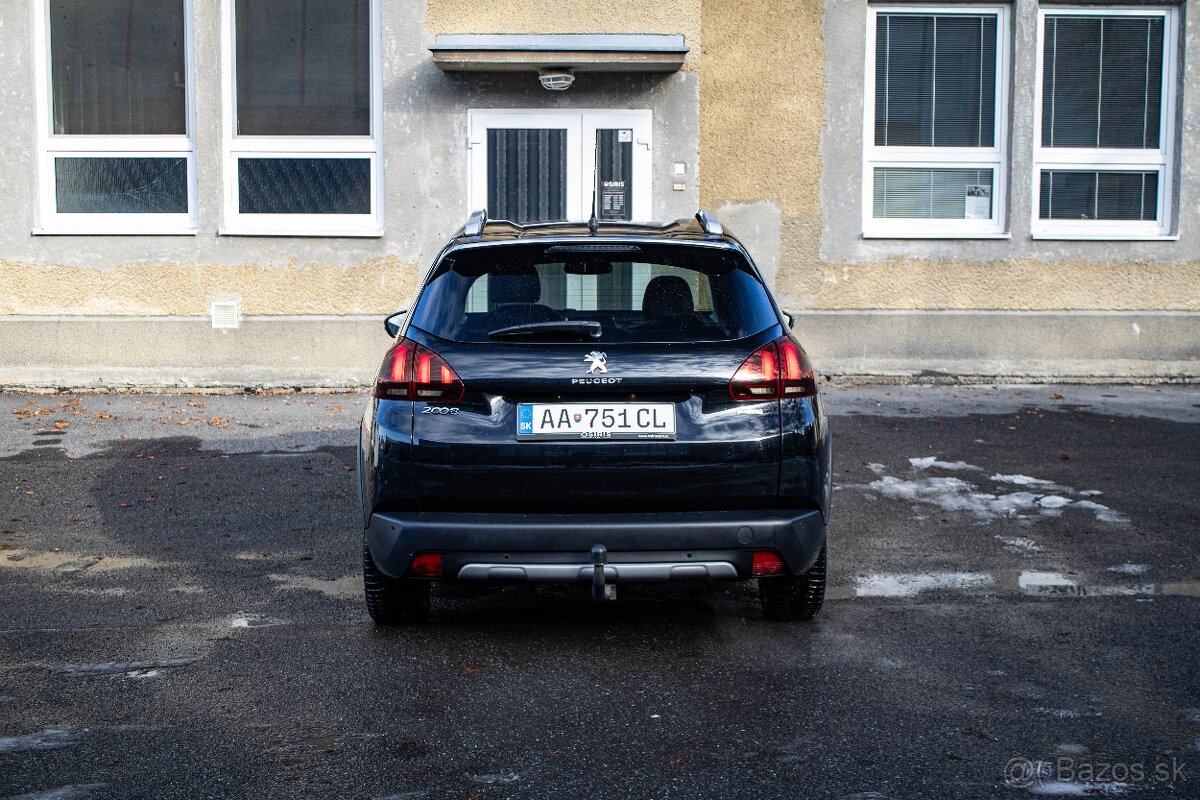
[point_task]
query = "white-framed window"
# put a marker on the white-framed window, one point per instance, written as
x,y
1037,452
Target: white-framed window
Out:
x,y
1104,112
114,104
303,117
935,133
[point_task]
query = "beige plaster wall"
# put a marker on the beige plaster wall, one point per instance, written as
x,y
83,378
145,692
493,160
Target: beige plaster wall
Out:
x,y
761,113
374,286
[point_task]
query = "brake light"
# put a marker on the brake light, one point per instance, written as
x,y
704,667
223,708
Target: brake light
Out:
x,y
427,565
766,562
413,372
778,369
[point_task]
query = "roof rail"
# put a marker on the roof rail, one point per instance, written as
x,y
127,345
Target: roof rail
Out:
x,y
709,223
475,223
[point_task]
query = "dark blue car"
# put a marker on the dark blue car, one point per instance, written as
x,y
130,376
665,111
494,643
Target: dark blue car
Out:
x,y
594,404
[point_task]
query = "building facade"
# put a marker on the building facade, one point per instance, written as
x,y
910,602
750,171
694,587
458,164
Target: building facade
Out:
x,y
234,192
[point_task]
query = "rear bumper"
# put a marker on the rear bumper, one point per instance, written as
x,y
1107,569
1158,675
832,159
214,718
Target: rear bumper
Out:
x,y
556,547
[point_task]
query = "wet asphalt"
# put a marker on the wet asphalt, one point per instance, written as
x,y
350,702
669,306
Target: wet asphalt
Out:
x,y
1015,574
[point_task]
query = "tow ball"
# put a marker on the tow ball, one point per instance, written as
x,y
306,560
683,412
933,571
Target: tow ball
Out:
x,y
601,590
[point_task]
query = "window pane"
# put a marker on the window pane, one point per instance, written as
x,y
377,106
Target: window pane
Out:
x,y
1080,195
614,173
671,293
304,185
527,174
303,67
935,80
121,185
117,67
923,193
1102,82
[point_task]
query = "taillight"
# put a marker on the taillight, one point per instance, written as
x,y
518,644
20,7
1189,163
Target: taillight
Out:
x,y
427,565
778,369
766,562
413,372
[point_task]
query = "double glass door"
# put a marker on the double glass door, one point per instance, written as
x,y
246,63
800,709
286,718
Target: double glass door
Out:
x,y
546,166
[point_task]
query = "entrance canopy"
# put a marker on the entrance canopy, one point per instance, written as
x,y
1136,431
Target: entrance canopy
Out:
x,y
581,52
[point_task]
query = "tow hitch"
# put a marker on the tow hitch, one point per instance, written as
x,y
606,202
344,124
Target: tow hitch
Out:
x,y
601,590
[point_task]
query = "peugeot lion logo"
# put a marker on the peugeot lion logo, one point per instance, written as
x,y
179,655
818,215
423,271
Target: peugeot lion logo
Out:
x,y
597,360
599,363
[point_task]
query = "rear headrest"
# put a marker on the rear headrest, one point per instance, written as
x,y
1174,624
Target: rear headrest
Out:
x,y
667,296
523,287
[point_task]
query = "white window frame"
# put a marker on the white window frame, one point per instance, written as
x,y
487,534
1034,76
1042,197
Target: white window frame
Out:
x,y
1161,160
581,125
51,145
994,158
235,147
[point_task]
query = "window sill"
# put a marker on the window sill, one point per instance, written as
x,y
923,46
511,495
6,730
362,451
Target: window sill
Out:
x,y
321,233
71,231
908,236
1106,237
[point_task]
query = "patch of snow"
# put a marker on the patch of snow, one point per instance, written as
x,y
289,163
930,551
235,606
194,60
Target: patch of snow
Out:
x,y
932,461
878,469
1103,513
1020,545
1053,501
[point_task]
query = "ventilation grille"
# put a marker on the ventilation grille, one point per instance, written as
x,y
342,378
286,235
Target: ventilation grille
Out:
x,y
224,314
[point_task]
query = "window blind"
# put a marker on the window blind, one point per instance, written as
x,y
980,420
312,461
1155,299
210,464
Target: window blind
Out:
x,y
1102,81
1090,195
935,80
932,193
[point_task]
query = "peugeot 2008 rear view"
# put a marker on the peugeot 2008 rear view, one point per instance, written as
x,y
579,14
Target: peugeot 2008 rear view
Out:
x,y
594,405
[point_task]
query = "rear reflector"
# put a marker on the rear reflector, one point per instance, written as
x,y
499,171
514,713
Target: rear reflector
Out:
x,y
766,562
413,372
778,369
427,565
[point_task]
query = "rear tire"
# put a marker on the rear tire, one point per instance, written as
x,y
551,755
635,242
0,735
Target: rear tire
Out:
x,y
792,597
394,601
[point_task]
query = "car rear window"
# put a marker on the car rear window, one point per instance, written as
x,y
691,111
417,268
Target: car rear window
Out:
x,y
642,293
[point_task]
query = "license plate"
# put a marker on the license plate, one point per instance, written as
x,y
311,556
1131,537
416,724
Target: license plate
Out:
x,y
642,421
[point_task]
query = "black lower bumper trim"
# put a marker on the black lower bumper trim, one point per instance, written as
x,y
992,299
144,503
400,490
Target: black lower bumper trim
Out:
x,y
395,537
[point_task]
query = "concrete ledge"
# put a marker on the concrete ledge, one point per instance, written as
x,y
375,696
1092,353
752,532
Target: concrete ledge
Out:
x,y
119,352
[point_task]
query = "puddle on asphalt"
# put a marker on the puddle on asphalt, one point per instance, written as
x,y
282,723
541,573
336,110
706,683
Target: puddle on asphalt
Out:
x,y
69,562
254,622
910,584
48,739
1030,583
345,588
133,669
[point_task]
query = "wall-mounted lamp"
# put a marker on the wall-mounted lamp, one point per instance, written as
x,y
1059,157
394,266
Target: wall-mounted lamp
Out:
x,y
556,80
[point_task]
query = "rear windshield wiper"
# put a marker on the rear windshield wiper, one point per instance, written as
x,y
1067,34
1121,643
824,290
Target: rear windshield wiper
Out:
x,y
583,328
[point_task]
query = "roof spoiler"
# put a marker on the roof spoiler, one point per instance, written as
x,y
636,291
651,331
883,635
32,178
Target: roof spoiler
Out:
x,y
709,223
474,226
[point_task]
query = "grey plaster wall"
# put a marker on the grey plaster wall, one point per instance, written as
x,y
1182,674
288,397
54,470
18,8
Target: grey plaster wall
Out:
x,y
425,155
842,147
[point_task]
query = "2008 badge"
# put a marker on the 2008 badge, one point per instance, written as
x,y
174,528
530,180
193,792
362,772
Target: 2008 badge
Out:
x,y
451,410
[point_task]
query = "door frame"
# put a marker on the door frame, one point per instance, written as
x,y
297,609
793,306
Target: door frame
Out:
x,y
581,125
